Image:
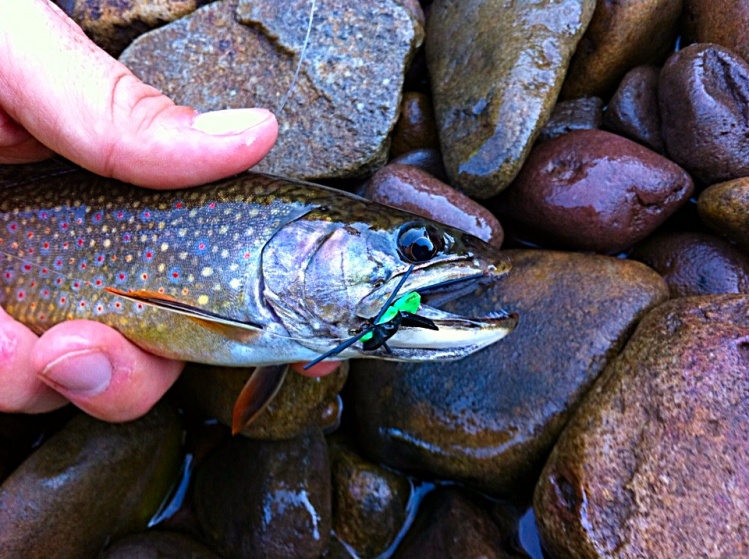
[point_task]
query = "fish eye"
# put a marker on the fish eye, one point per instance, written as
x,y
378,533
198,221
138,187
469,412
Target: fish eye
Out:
x,y
420,242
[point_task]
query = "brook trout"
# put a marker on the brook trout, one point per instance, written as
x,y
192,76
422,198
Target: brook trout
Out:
x,y
251,270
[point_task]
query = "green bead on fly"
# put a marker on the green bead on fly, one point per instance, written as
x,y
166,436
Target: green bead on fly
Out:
x,y
409,303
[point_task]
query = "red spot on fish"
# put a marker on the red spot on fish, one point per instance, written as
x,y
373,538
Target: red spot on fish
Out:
x,y
58,281
83,265
100,258
185,291
45,292
117,305
175,274
83,304
30,235
43,215
80,242
161,290
149,255
77,285
65,244
42,317
178,205
79,220
31,251
32,305
98,282
63,300
8,275
21,295
121,276
32,284
114,257
144,276
246,255
64,225
201,246
120,215
212,206
27,267
97,217
13,226
140,306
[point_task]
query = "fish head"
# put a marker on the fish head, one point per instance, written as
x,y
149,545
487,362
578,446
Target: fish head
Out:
x,y
328,277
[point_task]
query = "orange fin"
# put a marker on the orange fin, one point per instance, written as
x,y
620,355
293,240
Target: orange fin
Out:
x,y
228,327
257,393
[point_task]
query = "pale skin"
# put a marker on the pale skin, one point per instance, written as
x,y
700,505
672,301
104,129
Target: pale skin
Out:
x,y
60,93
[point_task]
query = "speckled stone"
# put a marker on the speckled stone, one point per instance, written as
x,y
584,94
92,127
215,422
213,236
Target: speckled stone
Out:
x,y
620,36
496,70
723,22
114,24
585,113
655,462
593,190
416,191
88,484
338,116
156,544
415,128
724,208
633,110
695,263
489,420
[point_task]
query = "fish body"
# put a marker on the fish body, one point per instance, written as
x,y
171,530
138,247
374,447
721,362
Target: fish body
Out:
x,y
251,270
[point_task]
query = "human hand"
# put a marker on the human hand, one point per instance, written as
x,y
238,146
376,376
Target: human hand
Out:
x,y
60,93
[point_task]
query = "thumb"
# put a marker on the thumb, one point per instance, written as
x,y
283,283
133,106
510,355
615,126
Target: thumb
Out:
x,y
79,102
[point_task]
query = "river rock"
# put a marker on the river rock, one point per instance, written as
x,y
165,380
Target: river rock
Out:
x,y
301,401
489,420
633,110
155,544
369,502
337,115
429,160
593,190
695,263
114,25
409,188
656,461
89,483
723,22
724,208
585,113
267,499
620,36
415,128
703,92
496,70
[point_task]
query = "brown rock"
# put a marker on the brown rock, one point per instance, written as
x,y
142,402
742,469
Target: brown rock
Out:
x,y
415,128
158,545
633,110
724,208
593,190
114,24
659,443
723,22
429,160
584,113
490,419
620,36
409,188
337,118
496,70
695,263
702,97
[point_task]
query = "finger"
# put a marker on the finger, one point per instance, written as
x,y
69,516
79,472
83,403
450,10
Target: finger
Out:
x,y
99,115
17,145
321,369
21,391
100,371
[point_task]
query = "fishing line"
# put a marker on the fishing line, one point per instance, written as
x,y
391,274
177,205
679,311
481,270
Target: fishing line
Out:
x,y
301,58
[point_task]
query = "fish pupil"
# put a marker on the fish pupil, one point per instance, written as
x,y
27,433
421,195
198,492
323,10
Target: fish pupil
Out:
x,y
420,242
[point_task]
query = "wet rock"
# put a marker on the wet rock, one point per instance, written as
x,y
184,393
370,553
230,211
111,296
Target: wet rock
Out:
x,y
158,545
489,420
702,98
429,160
450,524
620,36
722,22
415,128
338,115
593,190
416,191
695,263
114,25
496,70
369,502
267,499
88,484
301,401
724,207
633,110
584,113
660,441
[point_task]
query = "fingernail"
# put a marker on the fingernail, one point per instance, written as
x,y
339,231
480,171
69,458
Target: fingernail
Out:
x,y
85,373
230,121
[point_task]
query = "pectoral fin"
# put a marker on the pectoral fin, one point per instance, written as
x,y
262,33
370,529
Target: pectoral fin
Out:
x,y
260,389
227,327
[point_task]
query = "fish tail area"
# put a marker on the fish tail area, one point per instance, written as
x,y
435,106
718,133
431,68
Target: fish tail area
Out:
x,y
257,393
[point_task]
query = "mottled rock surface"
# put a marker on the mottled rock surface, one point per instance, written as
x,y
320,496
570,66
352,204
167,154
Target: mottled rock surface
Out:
x,y
88,484
654,463
620,36
496,69
585,113
490,419
723,22
340,111
703,92
593,190
633,110
724,207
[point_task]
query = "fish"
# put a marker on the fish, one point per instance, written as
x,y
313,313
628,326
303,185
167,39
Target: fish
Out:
x,y
253,270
